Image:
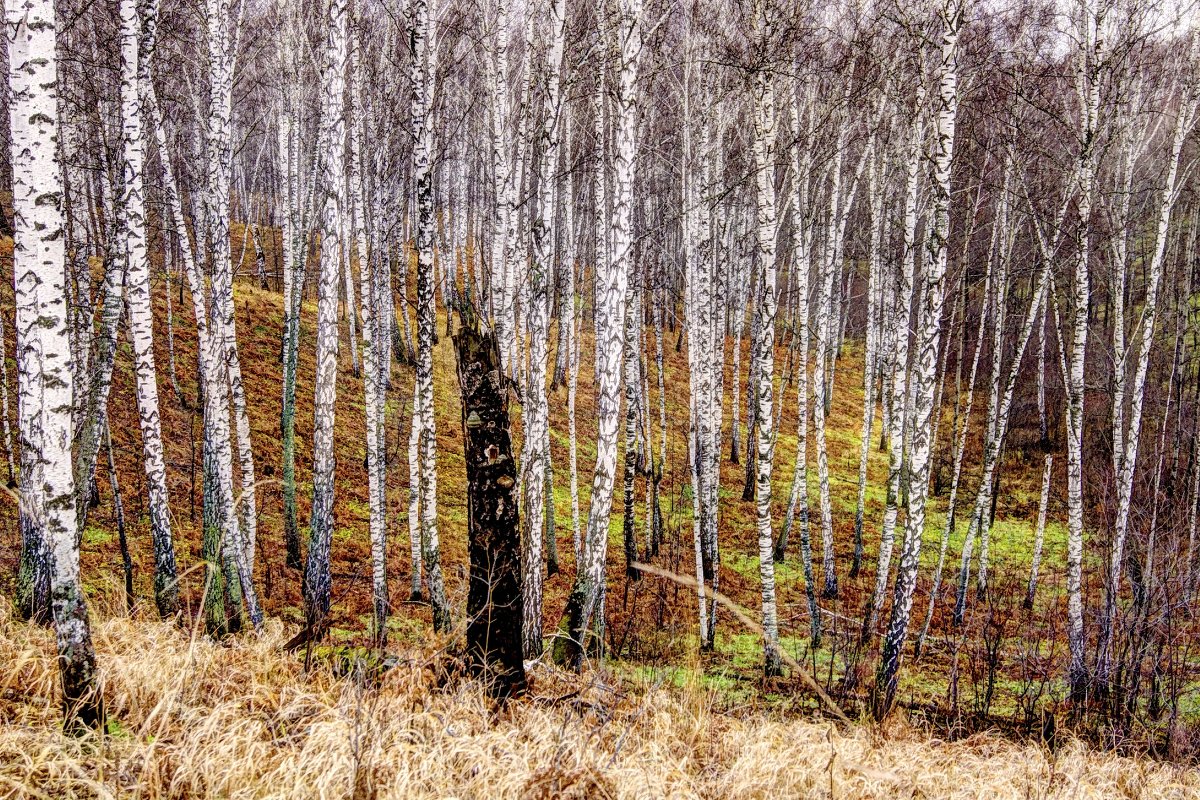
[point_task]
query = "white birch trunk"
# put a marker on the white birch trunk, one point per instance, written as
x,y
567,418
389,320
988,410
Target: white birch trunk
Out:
x,y
414,499
422,74
928,336
373,398
875,203
535,451
802,163
698,302
763,146
826,278
1185,119
237,550
4,411
612,278
44,379
136,34
960,444
1039,536
898,362
350,304
504,234
1092,54
317,576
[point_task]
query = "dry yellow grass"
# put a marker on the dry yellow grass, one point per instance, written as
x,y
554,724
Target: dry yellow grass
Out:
x,y
241,719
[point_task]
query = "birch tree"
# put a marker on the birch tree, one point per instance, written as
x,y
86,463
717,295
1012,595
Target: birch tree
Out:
x,y
317,577
1091,55
504,229
697,247
294,257
831,266
951,17
612,279
9,450
422,80
875,205
536,449
223,26
45,388
1125,444
962,424
896,364
797,508
1039,535
763,94
373,392
138,33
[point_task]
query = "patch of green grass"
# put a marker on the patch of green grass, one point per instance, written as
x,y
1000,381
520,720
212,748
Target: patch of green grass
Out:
x,y
1011,543
728,687
457,515
292,612
407,629
788,572
358,508
876,495
95,536
562,502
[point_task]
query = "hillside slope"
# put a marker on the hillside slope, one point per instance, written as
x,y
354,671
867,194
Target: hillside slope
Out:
x,y
651,622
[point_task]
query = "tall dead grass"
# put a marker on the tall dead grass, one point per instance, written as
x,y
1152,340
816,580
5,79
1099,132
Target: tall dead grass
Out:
x,y
241,719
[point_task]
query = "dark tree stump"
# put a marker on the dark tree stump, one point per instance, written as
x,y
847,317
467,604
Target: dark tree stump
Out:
x,y
494,605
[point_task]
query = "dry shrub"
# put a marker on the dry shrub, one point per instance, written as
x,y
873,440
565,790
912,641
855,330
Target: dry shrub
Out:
x,y
241,719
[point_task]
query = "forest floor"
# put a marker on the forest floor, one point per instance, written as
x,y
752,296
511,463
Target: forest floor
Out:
x,y
190,717
654,670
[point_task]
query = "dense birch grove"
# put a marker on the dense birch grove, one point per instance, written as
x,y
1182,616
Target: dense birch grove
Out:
x,y
883,314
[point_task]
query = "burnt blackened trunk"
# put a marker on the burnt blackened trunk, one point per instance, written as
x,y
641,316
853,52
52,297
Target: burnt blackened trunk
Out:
x,y
494,604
